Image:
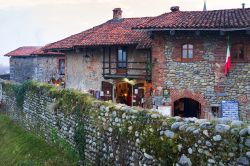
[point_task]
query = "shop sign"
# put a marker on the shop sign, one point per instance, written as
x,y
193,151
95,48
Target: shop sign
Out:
x,y
230,109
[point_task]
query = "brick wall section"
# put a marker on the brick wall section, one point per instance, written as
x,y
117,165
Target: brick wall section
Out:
x,y
202,76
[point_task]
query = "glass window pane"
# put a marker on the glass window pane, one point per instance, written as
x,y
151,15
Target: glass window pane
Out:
x,y
184,53
124,58
120,58
61,66
185,46
124,55
190,46
190,54
119,55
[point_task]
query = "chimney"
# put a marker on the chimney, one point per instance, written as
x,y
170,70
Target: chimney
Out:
x,y
175,8
243,5
117,13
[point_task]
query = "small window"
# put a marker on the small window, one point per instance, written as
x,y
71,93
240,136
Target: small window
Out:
x,y
237,52
62,66
122,58
215,112
187,51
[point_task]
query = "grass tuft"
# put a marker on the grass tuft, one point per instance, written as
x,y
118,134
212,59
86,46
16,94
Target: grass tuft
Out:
x,y
21,148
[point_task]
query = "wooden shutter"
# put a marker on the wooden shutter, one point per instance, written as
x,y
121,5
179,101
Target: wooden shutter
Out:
x,y
107,89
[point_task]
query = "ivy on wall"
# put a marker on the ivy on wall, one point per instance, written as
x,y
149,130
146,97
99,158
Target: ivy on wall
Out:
x,y
163,139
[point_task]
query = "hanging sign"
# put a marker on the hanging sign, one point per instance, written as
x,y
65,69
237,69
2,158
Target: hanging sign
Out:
x,y
230,109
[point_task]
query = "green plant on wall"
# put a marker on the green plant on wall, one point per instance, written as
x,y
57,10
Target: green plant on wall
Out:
x,y
18,91
119,128
80,140
149,66
163,148
63,144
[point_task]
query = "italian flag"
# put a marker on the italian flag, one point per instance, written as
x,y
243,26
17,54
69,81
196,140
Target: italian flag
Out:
x,y
228,62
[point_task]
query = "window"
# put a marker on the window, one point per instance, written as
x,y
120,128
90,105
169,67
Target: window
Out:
x,y
62,66
237,52
187,51
122,58
215,112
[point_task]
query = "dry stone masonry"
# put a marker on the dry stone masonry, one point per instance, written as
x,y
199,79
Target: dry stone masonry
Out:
x,y
201,78
120,135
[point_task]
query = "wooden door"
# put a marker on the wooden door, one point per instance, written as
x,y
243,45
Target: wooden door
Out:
x,y
107,89
140,94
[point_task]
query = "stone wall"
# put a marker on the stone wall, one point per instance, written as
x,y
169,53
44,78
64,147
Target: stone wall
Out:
x,y
85,67
46,68
84,73
38,68
120,135
21,68
201,78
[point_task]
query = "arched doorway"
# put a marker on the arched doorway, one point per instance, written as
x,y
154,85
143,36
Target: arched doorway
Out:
x,y
123,93
186,107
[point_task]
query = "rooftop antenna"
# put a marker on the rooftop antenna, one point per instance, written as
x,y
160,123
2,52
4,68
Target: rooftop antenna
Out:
x,y
205,6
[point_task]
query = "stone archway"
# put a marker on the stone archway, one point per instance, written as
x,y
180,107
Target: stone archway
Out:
x,y
186,107
179,94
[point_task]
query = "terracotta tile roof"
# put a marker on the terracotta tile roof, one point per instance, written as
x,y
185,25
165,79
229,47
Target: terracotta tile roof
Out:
x,y
113,32
215,19
40,51
29,51
23,51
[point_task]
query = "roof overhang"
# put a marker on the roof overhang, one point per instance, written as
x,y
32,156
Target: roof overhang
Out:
x,y
192,29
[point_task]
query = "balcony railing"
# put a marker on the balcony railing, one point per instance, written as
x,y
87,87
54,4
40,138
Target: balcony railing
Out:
x,y
133,70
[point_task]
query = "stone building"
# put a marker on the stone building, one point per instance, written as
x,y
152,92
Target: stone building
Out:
x,y
111,60
31,63
189,52
173,61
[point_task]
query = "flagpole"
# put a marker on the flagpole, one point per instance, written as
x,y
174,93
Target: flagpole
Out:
x,y
228,59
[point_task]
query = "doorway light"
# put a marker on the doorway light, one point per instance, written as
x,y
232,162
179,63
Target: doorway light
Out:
x,y
131,82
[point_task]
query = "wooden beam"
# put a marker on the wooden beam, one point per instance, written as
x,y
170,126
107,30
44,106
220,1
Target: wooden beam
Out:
x,y
222,33
151,35
172,32
78,50
109,60
103,63
197,33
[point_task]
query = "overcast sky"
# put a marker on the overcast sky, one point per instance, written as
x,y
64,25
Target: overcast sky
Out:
x,y
39,22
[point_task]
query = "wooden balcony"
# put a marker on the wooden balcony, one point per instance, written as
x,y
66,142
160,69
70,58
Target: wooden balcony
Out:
x,y
136,66
111,70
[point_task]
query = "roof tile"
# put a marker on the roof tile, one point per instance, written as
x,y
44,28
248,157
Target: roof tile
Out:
x,y
29,51
23,51
215,19
113,32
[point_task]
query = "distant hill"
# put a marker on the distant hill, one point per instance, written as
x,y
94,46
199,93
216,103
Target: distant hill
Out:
x,y
4,69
